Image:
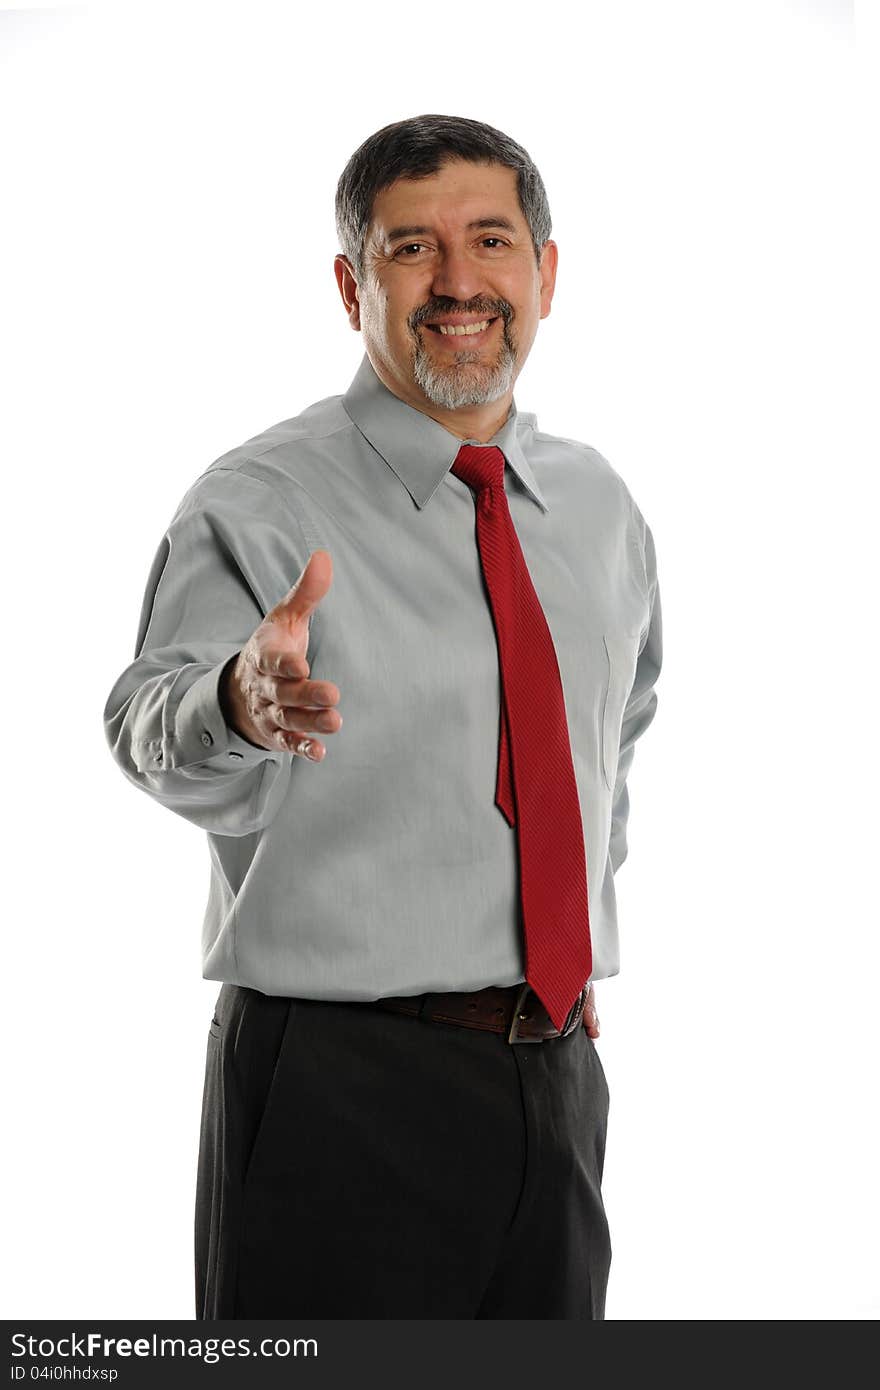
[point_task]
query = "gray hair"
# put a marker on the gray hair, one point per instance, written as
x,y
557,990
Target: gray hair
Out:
x,y
420,146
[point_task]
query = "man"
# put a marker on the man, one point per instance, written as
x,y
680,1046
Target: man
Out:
x,y
404,1111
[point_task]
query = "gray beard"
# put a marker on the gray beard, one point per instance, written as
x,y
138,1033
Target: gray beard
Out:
x,y
462,383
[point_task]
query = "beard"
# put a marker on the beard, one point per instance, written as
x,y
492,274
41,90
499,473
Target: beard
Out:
x,y
468,378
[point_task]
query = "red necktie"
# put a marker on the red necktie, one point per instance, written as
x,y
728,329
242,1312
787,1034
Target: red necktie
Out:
x,y
536,788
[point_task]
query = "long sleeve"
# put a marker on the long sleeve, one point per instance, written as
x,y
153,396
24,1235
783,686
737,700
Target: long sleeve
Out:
x,y
641,704
232,550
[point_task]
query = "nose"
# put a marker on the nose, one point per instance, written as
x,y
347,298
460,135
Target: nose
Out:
x,y
458,278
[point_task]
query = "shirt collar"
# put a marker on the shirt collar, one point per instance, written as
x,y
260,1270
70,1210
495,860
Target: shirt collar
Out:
x,y
419,449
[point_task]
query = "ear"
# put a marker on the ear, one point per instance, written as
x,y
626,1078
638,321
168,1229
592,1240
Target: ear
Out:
x,y
547,272
348,289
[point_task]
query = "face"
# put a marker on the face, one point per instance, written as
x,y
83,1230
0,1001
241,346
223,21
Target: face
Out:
x,y
453,248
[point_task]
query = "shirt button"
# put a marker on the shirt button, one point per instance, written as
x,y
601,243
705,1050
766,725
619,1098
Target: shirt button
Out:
x,y
207,739
235,755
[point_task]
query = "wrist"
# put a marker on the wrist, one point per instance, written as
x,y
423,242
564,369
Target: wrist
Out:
x,y
231,703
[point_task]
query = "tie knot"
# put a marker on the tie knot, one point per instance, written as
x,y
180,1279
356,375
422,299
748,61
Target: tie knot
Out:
x,y
479,466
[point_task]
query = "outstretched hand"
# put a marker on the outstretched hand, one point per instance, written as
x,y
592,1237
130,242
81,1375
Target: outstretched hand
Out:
x,y
267,696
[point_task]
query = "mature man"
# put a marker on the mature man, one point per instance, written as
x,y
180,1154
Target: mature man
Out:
x,y
404,1111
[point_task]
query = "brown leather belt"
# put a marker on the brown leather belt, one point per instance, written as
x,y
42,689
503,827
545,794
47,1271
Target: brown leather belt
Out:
x,y
513,1009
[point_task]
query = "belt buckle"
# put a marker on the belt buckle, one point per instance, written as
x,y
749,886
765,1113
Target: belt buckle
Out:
x,y
513,1034
575,1016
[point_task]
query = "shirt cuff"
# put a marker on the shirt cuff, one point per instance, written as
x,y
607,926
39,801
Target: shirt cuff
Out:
x,y
202,733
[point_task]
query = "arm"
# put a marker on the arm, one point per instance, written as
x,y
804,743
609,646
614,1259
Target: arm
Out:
x,y
224,561
641,705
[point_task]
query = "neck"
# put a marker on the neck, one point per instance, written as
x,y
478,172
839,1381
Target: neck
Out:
x,y
470,422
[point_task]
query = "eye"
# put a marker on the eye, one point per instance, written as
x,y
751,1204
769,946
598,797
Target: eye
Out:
x,y
417,245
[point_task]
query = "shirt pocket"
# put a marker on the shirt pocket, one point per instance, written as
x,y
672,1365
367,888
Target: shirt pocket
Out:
x,y
621,656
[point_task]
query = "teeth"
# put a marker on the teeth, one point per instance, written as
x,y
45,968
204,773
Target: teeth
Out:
x,y
462,330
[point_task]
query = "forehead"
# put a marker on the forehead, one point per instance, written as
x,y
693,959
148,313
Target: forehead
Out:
x,y
459,193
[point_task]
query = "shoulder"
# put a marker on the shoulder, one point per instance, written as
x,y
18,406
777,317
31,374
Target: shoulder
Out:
x,y
574,469
256,473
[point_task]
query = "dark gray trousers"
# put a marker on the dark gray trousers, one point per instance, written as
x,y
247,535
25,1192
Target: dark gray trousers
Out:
x,y
356,1163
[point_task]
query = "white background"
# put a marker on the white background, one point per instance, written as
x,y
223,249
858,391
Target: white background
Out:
x,y
168,180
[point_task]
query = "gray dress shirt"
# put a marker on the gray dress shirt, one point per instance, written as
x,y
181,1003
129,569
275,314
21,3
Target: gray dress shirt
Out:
x,y
387,868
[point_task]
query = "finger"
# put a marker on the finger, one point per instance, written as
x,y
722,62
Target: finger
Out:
x,y
308,748
305,721
294,741
307,592
297,694
298,743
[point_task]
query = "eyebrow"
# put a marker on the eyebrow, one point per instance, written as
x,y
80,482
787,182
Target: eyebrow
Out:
x,y
503,222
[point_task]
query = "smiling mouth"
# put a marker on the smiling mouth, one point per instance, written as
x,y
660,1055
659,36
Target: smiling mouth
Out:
x,y
463,334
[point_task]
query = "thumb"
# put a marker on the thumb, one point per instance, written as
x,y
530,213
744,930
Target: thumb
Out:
x,y
307,592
